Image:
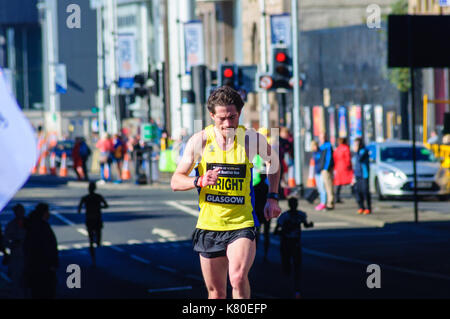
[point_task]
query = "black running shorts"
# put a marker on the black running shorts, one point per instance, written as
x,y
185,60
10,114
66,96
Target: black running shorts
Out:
x,y
212,244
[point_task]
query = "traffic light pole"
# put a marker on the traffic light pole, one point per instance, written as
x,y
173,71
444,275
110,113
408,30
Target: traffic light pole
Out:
x,y
265,107
100,75
298,151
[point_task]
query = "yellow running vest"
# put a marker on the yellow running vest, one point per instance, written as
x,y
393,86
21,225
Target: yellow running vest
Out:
x,y
228,205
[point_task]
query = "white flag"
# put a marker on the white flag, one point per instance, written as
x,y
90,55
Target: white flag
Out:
x,y
17,145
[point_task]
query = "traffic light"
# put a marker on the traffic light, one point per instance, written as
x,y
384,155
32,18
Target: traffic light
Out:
x,y
140,89
228,75
281,68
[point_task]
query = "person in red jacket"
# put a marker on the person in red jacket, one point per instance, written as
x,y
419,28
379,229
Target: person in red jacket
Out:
x,y
343,172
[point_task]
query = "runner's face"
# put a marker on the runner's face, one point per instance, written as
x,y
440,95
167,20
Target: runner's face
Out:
x,y
226,119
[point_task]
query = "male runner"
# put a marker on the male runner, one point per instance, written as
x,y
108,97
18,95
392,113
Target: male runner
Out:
x,y
93,203
226,227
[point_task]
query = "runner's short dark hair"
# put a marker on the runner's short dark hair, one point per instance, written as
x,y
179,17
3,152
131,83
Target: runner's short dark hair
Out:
x,y
223,96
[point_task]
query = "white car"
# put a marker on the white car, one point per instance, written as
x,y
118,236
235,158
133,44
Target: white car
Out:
x,y
391,170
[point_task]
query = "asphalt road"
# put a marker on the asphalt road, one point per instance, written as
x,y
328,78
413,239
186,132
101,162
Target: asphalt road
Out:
x,y
147,251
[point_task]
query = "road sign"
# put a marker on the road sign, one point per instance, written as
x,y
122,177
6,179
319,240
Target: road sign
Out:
x,y
61,78
265,81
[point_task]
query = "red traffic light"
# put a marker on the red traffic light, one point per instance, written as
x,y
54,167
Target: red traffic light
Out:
x,y
281,57
228,73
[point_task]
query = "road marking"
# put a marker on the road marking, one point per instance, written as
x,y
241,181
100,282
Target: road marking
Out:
x,y
62,218
149,241
162,240
167,268
83,231
165,233
312,234
134,242
365,263
183,208
63,247
106,243
330,224
117,249
170,289
145,261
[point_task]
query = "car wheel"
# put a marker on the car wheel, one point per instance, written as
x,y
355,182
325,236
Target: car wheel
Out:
x,y
378,190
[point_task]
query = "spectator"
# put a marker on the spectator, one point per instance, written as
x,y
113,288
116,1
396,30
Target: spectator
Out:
x,y
446,139
319,180
327,166
85,152
343,172
41,254
361,176
14,240
119,151
290,230
77,160
434,138
105,146
285,154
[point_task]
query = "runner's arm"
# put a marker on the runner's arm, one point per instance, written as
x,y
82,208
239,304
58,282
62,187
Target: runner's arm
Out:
x,y
80,205
181,181
105,204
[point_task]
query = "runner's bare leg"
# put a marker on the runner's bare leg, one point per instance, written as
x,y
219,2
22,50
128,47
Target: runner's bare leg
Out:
x,y
241,254
215,275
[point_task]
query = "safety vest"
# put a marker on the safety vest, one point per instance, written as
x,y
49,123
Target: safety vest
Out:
x,y
228,205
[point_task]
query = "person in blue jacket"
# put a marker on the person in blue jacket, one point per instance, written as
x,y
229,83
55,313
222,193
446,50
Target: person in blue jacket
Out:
x,y
327,168
361,176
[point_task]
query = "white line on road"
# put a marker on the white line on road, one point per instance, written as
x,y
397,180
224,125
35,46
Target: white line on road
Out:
x,y
167,269
165,233
183,208
366,263
62,218
170,289
83,231
106,243
145,261
134,242
120,250
330,224
312,234
63,247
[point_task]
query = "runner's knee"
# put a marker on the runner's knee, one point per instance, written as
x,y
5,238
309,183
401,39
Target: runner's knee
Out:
x,y
238,279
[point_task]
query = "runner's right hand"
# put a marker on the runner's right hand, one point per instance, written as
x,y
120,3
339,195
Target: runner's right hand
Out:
x,y
210,177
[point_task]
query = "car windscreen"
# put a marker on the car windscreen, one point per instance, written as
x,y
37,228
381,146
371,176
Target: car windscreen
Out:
x,y
397,153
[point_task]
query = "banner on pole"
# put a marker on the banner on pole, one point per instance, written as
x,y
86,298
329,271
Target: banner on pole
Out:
x,y
193,44
127,60
280,29
61,78
342,122
355,123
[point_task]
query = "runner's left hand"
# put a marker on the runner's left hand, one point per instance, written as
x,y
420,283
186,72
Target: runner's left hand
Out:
x,y
271,210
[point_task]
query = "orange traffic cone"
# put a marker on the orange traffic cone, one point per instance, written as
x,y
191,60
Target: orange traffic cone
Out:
x,y
291,177
42,165
34,169
311,179
63,168
53,163
126,175
106,172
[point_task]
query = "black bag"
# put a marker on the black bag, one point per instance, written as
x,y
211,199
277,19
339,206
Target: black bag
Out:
x,y
311,194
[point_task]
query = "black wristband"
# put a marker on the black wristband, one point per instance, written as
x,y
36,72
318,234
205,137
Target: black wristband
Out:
x,y
196,180
273,196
